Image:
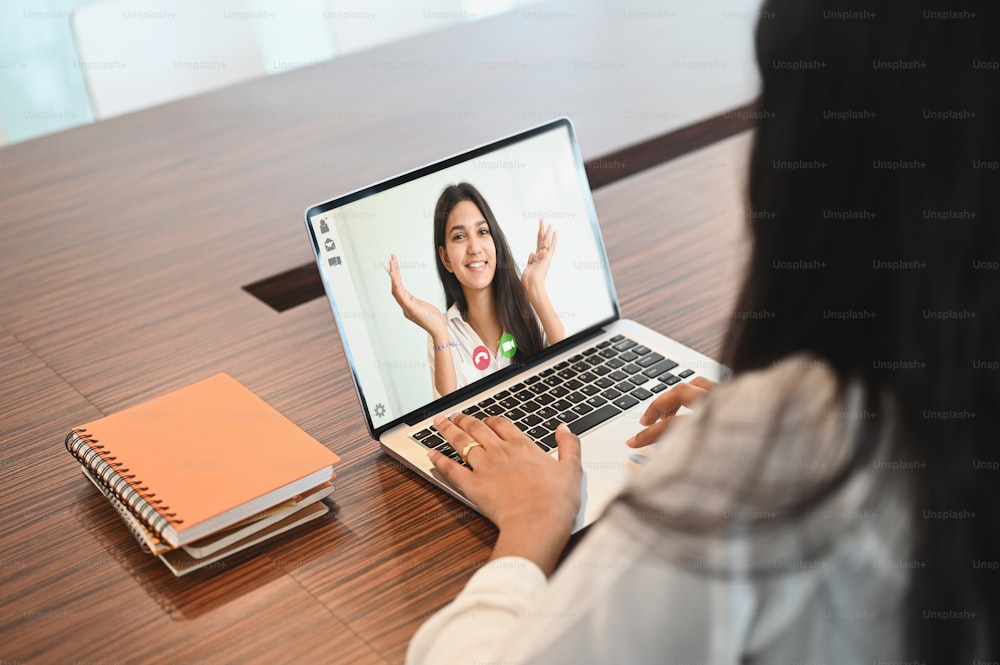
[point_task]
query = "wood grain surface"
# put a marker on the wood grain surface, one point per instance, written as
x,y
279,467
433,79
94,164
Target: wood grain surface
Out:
x,y
124,247
354,587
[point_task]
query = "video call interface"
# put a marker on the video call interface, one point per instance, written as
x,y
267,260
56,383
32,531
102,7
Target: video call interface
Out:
x,y
440,281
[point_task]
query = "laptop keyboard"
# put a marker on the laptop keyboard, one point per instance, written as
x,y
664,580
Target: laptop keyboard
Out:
x,y
582,391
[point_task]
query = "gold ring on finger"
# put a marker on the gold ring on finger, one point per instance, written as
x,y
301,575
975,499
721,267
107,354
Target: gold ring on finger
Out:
x,y
468,447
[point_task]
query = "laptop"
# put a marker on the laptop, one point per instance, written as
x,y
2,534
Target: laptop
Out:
x,y
581,364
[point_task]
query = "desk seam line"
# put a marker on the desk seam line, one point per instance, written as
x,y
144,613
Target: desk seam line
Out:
x,y
53,369
333,614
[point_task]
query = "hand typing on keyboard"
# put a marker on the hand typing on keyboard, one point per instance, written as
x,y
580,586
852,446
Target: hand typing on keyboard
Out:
x,y
662,412
531,496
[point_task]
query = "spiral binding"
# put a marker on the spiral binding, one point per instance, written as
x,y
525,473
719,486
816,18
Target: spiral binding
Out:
x,y
115,477
148,541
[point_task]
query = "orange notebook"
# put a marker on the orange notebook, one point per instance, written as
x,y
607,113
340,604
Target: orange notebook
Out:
x,y
201,458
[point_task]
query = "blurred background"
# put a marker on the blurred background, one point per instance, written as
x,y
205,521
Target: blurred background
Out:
x,y
65,63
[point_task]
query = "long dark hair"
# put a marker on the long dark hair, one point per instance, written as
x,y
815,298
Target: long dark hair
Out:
x,y
875,245
516,315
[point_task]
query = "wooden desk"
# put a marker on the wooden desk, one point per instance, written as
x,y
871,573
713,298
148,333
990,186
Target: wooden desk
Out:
x,y
352,589
125,247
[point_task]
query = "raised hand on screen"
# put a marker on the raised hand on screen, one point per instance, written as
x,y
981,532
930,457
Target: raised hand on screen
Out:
x,y
421,312
537,268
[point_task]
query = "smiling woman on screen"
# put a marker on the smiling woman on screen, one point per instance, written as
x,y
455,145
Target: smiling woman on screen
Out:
x,y
488,304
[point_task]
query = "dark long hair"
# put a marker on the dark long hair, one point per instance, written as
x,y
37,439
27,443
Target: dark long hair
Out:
x,y
875,246
516,315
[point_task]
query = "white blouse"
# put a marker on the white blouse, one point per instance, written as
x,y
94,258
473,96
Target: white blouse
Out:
x,y
693,563
466,342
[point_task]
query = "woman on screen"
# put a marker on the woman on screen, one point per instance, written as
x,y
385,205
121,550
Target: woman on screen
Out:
x,y
493,316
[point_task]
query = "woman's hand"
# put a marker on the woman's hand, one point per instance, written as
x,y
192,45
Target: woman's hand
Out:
x,y
421,312
662,412
532,497
537,268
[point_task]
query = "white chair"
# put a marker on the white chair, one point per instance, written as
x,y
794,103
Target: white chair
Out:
x,y
137,53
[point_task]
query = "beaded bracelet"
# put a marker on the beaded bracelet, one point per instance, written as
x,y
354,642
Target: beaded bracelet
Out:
x,y
445,346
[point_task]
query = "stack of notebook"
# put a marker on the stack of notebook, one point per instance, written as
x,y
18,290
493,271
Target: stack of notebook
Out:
x,y
205,471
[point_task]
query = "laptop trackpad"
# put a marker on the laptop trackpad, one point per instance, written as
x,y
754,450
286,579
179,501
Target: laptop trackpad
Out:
x,y
607,465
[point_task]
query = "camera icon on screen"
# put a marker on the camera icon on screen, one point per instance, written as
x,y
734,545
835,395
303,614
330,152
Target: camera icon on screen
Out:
x,y
508,345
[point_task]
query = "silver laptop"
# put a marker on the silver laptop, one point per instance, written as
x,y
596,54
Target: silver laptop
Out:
x,y
467,330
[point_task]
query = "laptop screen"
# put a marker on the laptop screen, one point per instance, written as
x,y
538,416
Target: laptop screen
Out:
x,y
462,270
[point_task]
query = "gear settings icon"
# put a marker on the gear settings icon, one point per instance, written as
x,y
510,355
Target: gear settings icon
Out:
x,y
379,410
